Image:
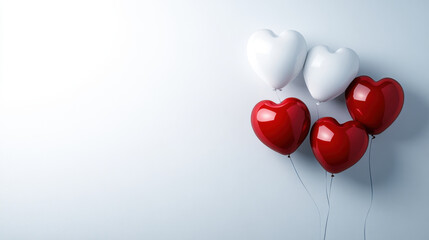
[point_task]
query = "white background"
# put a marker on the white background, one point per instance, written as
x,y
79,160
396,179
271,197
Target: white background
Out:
x,y
131,120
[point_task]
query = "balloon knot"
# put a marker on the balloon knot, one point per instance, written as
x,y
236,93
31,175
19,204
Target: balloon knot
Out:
x,y
288,156
373,136
332,175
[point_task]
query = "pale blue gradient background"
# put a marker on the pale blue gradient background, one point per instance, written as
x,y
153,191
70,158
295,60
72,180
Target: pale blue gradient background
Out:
x,y
131,120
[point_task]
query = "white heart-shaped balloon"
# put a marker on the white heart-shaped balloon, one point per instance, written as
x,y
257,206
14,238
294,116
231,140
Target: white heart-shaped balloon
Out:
x,y
328,74
277,59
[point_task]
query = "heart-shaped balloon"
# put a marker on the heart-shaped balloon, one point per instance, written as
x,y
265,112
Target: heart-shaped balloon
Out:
x,y
338,146
374,104
276,59
328,74
282,127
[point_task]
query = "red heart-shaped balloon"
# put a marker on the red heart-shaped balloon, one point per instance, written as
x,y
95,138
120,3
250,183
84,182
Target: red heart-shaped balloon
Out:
x,y
374,104
282,127
338,146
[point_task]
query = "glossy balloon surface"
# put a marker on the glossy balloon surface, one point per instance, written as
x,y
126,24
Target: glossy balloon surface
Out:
x,y
327,74
338,146
282,127
374,104
277,59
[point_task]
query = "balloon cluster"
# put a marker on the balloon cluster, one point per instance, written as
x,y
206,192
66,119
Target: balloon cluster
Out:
x,y
374,106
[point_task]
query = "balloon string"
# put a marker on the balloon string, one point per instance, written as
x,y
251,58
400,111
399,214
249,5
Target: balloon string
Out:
x,y
278,97
371,188
328,196
317,110
308,192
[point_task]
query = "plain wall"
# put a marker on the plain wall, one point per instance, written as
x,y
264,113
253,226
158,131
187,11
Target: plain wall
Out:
x,y
131,120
